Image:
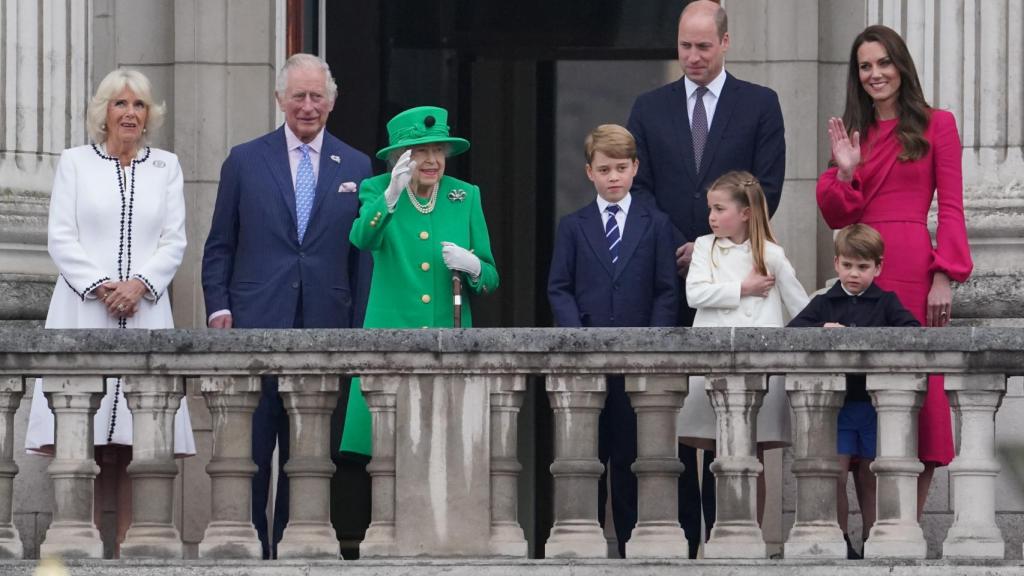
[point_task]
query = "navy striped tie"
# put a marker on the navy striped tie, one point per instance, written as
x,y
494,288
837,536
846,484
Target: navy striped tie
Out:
x,y
611,232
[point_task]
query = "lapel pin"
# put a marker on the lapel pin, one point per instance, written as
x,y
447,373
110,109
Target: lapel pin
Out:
x,y
336,158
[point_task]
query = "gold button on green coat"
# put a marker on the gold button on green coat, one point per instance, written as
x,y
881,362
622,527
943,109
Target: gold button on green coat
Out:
x,y
400,259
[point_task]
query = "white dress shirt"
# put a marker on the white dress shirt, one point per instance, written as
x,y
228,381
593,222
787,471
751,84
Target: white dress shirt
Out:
x,y
710,97
620,217
295,155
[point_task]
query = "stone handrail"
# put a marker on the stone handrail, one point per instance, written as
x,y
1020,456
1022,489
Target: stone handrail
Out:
x,y
445,406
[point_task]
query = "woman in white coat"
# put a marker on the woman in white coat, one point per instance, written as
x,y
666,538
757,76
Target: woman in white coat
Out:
x,y
117,235
739,277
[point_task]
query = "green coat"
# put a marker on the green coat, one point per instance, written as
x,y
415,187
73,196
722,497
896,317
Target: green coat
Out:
x,y
411,287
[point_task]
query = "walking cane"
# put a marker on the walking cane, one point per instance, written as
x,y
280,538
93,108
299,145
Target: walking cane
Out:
x,y
456,300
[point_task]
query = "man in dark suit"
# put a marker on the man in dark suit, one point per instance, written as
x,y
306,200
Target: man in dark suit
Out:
x,y
613,266
278,254
688,134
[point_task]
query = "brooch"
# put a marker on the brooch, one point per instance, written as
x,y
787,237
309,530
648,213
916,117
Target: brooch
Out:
x,y
159,163
457,195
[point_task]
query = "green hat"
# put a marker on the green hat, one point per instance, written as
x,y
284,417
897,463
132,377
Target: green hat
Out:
x,y
421,125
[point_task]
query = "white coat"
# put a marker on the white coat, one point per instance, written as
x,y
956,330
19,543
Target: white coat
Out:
x,y
108,227
713,288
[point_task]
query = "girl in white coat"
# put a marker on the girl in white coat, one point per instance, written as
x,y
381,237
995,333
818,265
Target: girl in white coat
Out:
x,y
739,276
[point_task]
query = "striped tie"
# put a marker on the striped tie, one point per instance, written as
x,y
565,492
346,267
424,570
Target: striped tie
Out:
x,y
611,232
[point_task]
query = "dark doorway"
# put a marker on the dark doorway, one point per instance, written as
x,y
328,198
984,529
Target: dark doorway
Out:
x,y
497,66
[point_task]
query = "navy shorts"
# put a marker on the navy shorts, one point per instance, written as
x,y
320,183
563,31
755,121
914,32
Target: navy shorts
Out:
x,y
858,430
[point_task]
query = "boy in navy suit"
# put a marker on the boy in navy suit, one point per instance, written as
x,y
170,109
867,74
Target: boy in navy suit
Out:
x,y
856,301
614,265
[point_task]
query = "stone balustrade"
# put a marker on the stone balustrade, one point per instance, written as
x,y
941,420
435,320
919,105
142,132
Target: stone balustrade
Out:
x,y
445,406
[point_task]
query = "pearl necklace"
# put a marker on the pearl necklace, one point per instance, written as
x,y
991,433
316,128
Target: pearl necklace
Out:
x,y
429,206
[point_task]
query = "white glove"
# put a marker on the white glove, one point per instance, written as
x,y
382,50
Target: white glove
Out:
x,y
458,258
401,174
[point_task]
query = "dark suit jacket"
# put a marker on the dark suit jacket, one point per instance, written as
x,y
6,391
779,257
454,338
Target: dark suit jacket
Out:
x,y
872,308
747,133
641,289
253,263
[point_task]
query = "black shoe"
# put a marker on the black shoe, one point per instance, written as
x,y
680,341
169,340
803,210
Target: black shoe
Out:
x,y
851,552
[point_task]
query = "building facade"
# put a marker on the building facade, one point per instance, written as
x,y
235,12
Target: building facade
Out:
x,y
526,109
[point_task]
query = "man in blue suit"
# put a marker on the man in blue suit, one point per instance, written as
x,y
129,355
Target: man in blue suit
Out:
x,y
688,134
278,254
613,266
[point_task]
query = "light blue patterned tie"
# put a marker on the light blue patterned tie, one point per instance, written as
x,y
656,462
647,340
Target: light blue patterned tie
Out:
x,y
305,188
611,232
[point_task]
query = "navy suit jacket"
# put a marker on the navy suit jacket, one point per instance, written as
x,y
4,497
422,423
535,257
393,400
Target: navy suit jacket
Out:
x,y
253,264
747,133
641,289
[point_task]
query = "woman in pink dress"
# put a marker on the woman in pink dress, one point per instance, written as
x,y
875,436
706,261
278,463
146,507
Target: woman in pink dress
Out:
x,y
891,152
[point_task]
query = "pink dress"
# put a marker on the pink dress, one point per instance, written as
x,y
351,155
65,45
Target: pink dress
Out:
x,y
894,197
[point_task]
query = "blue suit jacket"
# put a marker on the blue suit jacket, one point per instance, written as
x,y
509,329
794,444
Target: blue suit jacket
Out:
x,y
253,263
747,133
641,289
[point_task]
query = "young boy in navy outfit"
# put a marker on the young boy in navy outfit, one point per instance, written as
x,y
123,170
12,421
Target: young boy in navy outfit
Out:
x,y
614,265
856,301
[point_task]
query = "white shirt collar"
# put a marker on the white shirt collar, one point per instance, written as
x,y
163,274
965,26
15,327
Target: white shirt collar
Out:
x,y
294,142
848,293
715,86
623,204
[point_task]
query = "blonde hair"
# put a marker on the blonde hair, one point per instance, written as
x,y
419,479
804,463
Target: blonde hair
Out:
x,y
612,140
113,84
860,241
744,189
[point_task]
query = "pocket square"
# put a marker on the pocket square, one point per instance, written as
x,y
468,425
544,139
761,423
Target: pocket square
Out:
x,y
348,187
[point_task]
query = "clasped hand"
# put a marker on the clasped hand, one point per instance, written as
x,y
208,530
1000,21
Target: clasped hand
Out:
x,y
757,285
121,298
458,258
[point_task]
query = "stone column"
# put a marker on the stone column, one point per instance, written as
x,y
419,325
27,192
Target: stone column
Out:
x,y
816,399
230,533
45,52
656,400
736,399
506,397
72,533
896,533
153,401
975,399
380,393
11,390
310,400
577,400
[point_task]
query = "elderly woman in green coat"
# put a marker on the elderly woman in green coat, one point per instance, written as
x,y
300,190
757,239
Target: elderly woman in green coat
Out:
x,y
421,226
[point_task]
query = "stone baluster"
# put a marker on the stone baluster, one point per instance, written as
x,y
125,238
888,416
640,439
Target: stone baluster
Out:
x,y
381,395
73,533
656,401
974,534
506,397
153,401
816,399
310,400
736,399
230,533
577,401
896,532
11,390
